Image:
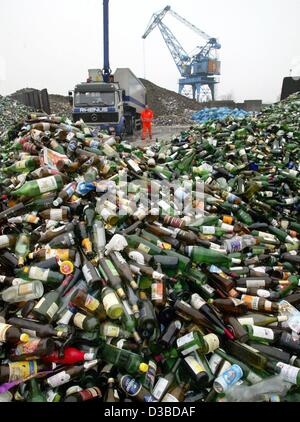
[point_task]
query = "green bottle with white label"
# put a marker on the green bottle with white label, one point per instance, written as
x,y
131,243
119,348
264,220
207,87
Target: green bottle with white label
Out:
x,y
40,186
194,341
48,305
42,274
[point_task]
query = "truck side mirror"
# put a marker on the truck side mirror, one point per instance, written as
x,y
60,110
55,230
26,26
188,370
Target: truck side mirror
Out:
x,y
123,93
70,97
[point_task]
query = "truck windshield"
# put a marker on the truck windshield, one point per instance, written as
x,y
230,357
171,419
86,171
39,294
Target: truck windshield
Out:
x,y
95,98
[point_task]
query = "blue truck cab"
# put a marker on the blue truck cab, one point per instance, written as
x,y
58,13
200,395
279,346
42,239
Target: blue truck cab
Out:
x,y
115,106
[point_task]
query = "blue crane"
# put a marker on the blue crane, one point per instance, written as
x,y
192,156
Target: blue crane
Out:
x,y
197,70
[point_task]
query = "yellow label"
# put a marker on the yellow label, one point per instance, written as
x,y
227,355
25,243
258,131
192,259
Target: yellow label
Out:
x,y
22,370
91,303
62,254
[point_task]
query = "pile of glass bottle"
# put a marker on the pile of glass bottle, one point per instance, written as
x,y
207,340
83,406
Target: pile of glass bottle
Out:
x,y
191,295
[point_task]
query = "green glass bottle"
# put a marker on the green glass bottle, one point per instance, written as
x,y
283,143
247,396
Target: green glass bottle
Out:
x,y
200,255
23,166
40,186
42,274
123,359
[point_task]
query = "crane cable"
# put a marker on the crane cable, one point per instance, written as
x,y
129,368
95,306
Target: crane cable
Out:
x,y
144,57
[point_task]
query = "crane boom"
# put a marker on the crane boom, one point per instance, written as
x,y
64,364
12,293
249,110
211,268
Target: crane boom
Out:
x,y
190,25
180,56
155,20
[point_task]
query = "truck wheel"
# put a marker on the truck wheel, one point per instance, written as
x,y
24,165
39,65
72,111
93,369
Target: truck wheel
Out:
x,y
130,125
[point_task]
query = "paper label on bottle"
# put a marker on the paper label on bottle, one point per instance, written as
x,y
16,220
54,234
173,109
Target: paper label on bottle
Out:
x,y
185,340
36,273
227,227
160,388
109,300
288,372
62,254
268,306
256,283
169,398
262,332
79,320
197,302
164,245
111,330
22,370
87,274
130,385
208,230
194,365
90,393
56,214
28,348
59,379
120,257
3,329
236,302
214,362
47,184
25,289
263,293
112,268
91,303
213,342
21,164
40,302
246,321
251,301
157,291
142,248
52,310
4,241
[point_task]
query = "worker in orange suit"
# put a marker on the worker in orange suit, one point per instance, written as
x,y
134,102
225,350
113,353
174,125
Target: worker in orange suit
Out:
x,y
147,118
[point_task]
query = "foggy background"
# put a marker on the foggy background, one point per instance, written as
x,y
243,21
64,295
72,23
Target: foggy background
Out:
x,y
52,43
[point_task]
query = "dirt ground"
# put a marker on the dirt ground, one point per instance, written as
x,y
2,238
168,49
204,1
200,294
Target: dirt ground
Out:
x,y
159,132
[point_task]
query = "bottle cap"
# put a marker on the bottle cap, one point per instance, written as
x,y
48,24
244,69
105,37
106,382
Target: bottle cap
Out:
x,y
143,367
30,255
66,267
24,338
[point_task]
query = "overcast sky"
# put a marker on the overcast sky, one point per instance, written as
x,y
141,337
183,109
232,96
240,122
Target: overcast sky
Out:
x,y
51,43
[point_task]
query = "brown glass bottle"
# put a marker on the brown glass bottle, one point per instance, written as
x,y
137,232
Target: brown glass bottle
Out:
x,y
88,303
230,305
